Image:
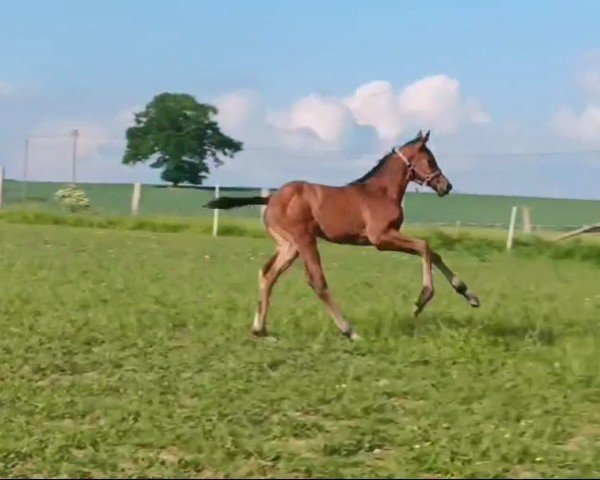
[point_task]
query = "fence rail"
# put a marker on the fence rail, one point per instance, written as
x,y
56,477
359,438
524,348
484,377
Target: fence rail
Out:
x,y
421,209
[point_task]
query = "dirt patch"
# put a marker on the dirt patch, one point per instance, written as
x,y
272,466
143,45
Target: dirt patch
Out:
x,y
585,436
170,456
408,403
521,471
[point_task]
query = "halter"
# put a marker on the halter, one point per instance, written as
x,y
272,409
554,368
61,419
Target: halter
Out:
x,y
413,173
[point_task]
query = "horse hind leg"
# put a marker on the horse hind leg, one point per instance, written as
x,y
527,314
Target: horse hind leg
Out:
x,y
318,282
268,276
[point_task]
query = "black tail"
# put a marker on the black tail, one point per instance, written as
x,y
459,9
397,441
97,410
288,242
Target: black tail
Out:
x,y
223,203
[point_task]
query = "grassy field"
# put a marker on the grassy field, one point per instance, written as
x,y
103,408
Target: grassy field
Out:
x,y
128,354
481,210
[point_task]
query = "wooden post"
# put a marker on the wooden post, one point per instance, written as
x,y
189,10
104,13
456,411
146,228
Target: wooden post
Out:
x,y
264,192
527,225
136,197
75,135
587,228
25,170
216,214
1,184
511,228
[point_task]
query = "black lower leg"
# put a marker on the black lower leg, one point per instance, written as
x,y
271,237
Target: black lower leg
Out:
x,y
348,332
462,289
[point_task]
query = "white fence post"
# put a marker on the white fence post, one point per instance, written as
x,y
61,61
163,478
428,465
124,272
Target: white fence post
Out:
x,y
511,228
264,192
216,214
527,224
1,185
136,197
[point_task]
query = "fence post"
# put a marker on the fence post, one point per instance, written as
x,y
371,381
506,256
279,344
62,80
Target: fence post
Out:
x,y
511,228
136,197
25,170
527,225
264,192
216,214
1,185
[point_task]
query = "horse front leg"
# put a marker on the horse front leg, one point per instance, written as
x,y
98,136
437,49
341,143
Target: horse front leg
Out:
x,y
395,241
459,286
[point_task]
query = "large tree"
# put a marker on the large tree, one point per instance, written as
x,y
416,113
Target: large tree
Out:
x,y
179,135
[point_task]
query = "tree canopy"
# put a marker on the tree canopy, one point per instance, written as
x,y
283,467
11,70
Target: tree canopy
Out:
x,y
180,135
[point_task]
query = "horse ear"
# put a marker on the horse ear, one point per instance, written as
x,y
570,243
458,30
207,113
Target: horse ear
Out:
x,y
426,137
419,135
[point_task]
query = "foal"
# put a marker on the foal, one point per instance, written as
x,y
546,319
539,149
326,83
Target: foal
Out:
x,y
365,212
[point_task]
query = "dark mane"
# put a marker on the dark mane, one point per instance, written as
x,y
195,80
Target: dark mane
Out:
x,y
373,171
380,164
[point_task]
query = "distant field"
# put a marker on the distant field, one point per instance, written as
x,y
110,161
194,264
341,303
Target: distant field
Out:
x,y
128,354
469,210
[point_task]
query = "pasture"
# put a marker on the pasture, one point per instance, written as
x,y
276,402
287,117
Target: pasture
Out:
x,y
127,353
421,208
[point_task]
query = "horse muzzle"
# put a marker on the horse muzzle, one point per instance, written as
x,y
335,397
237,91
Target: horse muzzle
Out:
x,y
443,188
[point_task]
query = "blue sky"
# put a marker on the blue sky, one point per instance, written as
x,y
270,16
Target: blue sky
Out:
x,y
315,89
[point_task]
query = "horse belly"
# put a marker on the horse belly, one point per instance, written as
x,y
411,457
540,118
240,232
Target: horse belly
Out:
x,y
342,226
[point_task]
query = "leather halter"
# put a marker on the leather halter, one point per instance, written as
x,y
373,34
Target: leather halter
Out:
x,y
413,173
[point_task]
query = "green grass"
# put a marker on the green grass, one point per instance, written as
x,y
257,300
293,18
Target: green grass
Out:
x,y
229,227
127,353
476,241
427,209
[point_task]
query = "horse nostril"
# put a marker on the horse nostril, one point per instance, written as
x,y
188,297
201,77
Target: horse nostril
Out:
x,y
449,187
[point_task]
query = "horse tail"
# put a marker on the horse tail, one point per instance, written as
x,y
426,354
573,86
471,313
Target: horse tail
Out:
x,y
224,203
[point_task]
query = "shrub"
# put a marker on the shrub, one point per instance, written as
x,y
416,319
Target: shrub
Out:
x,y
73,199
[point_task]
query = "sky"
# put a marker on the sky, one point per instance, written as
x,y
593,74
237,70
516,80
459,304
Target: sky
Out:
x,y
316,90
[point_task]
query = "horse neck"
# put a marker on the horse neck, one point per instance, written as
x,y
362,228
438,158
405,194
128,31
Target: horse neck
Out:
x,y
392,178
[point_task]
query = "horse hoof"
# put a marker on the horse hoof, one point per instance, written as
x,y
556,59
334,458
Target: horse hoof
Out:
x,y
350,334
260,333
415,312
355,337
474,301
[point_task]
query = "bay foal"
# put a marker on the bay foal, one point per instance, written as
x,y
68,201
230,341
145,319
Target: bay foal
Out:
x,y
365,212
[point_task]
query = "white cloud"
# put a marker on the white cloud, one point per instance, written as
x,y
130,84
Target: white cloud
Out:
x,y
437,102
236,109
375,104
433,102
475,113
327,118
320,138
313,124
582,127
